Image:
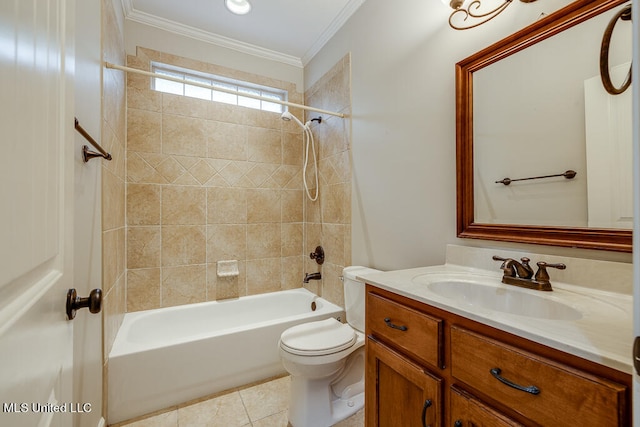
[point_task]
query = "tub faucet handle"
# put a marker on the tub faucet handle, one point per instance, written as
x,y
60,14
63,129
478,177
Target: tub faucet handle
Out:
x,y
318,255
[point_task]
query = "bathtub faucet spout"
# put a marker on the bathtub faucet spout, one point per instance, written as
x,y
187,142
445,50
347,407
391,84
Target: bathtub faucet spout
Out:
x,y
311,276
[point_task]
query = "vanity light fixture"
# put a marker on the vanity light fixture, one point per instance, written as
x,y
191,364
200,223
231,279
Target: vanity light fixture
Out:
x,y
472,11
239,7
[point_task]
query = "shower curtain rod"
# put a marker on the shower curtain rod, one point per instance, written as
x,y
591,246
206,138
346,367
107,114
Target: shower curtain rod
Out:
x,y
219,89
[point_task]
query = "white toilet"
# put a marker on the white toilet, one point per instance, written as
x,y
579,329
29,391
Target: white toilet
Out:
x,y
326,361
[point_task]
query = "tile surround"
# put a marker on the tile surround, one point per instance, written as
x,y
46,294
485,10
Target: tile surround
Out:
x,y
328,221
209,181
113,138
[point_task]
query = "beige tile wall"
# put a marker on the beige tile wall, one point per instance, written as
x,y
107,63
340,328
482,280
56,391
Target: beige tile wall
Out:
x,y
113,137
209,182
328,220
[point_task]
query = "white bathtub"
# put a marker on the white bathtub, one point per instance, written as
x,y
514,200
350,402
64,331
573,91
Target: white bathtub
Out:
x,y
167,356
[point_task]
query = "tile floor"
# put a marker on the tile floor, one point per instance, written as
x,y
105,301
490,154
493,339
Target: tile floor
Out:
x,y
261,405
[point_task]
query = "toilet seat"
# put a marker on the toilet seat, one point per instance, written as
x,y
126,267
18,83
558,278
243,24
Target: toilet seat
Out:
x,y
318,338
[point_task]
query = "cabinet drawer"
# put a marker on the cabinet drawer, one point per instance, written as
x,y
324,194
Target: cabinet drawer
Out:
x,y
565,395
469,411
415,333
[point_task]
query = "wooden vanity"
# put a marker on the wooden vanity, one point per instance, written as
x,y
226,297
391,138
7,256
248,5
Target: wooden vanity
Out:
x,y
430,367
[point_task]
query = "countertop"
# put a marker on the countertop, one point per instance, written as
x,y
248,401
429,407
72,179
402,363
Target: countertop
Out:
x,y
603,334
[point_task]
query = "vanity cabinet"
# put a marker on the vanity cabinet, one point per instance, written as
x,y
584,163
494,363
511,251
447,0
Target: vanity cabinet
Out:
x,y
404,394
430,367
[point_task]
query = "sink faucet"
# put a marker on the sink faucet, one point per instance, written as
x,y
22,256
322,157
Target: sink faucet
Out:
x,y
513,268
311,276
520,273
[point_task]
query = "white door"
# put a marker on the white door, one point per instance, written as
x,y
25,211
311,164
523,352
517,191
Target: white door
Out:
x,y
635,88
608,132
36,212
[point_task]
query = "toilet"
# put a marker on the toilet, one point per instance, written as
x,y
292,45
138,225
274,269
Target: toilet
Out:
x,y
326,361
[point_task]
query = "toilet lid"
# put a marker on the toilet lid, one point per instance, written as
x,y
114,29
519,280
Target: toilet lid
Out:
x,y
318,338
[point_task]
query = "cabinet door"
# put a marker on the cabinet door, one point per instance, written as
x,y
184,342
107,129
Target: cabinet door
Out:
x,y
399,393
467,411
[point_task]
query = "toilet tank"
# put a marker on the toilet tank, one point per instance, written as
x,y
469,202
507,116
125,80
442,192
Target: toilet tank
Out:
x,y
354,295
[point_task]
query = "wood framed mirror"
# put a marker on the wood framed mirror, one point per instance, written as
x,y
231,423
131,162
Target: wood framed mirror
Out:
x,y
581,234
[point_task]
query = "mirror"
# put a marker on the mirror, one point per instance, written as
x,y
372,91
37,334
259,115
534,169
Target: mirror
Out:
x,y
533,105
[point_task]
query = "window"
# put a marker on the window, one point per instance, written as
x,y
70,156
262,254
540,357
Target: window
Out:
x,y
237,86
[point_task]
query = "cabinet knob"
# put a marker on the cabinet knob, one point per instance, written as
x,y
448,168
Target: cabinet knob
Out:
x,y
458,423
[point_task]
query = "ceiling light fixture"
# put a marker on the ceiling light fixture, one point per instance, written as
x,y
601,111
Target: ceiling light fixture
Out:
x,y
471,11
239,7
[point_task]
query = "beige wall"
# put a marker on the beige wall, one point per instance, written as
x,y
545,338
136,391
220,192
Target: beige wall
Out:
x,y
208,182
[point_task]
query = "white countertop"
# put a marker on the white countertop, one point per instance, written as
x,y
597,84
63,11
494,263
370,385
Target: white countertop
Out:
x,y
603,334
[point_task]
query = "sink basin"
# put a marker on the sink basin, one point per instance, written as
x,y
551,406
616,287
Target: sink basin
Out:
x,y
505,300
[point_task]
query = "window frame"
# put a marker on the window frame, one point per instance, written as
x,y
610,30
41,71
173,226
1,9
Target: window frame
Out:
x,y
240,86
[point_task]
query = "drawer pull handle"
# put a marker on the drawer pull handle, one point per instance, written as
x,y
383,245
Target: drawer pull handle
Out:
x,y
391,325
427,404
530,389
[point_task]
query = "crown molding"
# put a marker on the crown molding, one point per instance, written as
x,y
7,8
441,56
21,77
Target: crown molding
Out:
x,y
332,29
206,36
184,30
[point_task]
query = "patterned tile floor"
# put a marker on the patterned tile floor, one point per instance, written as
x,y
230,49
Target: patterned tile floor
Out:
x,y
261,405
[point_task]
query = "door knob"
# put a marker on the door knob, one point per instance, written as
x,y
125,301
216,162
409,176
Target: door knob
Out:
x,y
93,302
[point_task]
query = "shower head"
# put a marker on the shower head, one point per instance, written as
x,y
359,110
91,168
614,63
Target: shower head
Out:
x,y
287,116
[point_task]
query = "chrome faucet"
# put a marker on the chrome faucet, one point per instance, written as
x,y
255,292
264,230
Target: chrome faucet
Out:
x,y
311,276
520,273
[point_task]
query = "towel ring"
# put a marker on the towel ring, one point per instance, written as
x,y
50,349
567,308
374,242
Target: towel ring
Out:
x,y
625,15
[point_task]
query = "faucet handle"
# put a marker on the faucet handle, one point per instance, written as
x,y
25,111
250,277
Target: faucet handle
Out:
x,y
542,275
318,255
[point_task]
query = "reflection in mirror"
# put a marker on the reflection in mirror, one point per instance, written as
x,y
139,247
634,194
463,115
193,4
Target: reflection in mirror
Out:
x,y
530,120
542,111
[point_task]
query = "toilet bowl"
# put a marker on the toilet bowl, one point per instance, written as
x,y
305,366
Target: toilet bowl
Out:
x,y
326,361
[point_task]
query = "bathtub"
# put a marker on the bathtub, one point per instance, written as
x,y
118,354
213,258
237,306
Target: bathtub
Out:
x,y
168,356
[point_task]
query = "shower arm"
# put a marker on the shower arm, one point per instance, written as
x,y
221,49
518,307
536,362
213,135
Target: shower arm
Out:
x,y
220,89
